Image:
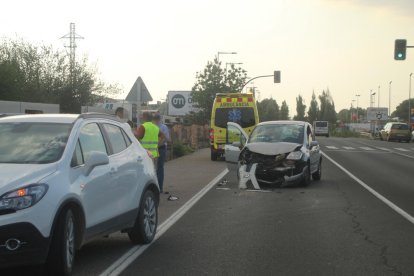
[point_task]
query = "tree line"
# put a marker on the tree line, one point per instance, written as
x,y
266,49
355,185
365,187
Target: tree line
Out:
x,y
214,79
40,73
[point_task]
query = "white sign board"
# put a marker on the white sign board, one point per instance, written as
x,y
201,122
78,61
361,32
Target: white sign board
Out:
x,y
377,113
180,103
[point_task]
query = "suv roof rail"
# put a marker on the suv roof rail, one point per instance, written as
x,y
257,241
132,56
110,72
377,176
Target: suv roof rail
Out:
x,y
94,115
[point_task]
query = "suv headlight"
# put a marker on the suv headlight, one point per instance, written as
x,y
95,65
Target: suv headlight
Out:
x,y
23,198
294,155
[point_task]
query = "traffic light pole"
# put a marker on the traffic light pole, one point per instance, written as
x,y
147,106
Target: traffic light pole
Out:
x,y
258,77
276,78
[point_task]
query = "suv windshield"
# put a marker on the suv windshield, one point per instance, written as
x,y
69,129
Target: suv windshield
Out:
x,y
36,143
244,116
277,133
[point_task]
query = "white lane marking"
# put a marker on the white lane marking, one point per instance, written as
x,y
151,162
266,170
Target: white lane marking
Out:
x,y
401,149
381,148
349,148
258,191
125,260
372,191
331,147
366,148
394,152
219,188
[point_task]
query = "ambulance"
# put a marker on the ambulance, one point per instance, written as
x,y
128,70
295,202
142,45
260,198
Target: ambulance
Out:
x,y
230,107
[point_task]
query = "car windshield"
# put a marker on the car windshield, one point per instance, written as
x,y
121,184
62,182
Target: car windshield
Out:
x,y
244,116
321,124
35,143
274,133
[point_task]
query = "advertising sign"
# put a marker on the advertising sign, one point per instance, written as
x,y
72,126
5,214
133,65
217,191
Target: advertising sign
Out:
x,y
377,113
179,103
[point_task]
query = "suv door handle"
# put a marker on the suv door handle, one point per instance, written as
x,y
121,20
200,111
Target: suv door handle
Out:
x,y
113,171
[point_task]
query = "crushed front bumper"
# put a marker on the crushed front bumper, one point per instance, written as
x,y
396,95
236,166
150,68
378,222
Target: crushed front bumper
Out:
x,y
275,176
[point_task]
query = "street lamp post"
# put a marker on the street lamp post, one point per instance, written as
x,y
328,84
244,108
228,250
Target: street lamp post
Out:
x,y
224,53
373,99
357,95
389,99
409,103
352,107
379,87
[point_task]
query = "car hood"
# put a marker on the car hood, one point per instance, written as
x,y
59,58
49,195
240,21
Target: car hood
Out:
x,y
272,148
15,175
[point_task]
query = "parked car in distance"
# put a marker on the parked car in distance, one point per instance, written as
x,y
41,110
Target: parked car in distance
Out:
x,y
67,179
395,131
321,128
285,152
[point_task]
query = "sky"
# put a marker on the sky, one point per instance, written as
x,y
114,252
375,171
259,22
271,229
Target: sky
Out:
x,y
344,46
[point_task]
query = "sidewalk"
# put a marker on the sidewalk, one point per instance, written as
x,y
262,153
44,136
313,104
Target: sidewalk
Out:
x,y
184,177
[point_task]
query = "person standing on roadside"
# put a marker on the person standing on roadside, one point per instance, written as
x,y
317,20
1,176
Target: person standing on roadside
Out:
x,y
120,113
149,136
162,149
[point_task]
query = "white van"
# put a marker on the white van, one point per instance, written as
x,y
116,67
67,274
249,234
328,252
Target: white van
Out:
x,y
321,128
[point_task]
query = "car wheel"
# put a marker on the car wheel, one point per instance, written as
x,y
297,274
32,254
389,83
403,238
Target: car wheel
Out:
x,y
318,174
146,222
62,249
306,177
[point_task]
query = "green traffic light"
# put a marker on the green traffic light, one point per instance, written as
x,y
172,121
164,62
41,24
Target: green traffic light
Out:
x,y
400,49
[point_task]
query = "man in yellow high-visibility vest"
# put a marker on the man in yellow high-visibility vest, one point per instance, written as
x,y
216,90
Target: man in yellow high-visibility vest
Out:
x,y
149,135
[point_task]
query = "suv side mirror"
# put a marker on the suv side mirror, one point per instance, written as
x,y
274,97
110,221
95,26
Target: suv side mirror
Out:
x,y
95,158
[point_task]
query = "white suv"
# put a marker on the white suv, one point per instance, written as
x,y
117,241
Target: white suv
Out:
x,y
66,179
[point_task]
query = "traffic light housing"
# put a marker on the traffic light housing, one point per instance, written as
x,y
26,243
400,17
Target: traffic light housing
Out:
x,y
400,49
276,77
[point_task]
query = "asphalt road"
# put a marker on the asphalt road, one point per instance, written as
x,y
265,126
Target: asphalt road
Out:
x,y
335,226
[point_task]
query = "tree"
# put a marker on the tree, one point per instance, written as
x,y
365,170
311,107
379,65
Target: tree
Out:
x,y
215,80
41,74
327,111
268,110
344,115
300,109
313,111
401,111
284,111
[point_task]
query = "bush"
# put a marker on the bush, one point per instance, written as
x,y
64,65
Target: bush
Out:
x,y
179,149
344,132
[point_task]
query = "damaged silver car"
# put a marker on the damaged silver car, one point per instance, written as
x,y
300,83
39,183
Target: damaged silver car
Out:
x,y
276,153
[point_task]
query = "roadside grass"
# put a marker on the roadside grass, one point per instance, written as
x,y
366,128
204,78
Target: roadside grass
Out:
x,y
346,133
